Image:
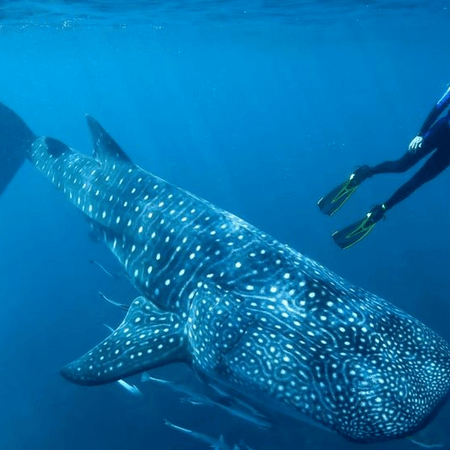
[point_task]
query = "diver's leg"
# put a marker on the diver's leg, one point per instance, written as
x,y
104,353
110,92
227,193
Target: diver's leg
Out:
x,y
402,164
438,136
352,234
436,164
334,200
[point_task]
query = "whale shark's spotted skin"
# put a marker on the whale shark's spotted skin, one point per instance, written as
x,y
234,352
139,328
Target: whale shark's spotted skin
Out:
x,y
246,312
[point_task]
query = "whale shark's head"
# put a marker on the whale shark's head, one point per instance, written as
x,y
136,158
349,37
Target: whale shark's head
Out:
x,y
393,398
396,390
349,361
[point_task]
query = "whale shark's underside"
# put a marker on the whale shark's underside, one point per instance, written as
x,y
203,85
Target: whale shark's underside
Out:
x,y
255,319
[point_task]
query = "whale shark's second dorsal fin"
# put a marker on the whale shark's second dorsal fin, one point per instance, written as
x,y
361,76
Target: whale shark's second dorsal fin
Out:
x,y
105,147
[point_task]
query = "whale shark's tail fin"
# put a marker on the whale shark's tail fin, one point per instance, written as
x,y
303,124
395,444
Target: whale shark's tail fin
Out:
x,y
15,141
147,338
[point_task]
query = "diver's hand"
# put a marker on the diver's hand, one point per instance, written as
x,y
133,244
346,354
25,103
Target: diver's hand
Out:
x,y
415,144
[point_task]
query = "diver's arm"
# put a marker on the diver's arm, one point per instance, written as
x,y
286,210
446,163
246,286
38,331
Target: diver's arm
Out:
x,y
444,101
435,112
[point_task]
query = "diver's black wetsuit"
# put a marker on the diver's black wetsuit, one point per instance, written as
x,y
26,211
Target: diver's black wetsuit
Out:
x,y
436,136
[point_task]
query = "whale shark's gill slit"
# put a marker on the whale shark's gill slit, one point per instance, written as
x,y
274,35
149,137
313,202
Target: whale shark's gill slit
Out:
x,y
147,338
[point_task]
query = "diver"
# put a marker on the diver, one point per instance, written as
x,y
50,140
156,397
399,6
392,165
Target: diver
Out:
x,y
433,137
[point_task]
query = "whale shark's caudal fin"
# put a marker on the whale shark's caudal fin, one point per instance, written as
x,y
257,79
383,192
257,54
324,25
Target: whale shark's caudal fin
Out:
x,y
147,338
15,141
105,147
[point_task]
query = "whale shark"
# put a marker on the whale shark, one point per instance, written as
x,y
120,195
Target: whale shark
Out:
x,y
252,317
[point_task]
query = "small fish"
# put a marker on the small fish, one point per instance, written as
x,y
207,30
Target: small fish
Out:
x,y
177,387
424,445
216,444
131,388
110,274
191,401
229,404
111,329
119,305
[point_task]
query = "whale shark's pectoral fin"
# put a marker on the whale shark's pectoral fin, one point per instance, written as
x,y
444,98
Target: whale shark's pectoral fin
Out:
x,y
105,147
147,338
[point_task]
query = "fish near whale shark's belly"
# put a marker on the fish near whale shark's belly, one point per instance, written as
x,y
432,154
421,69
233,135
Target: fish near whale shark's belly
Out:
x,y
332,353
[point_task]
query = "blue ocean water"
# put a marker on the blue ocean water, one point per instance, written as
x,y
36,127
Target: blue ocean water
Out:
x,y
258,106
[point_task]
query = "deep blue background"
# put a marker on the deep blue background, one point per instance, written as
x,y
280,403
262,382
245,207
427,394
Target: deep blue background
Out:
x,y
261,118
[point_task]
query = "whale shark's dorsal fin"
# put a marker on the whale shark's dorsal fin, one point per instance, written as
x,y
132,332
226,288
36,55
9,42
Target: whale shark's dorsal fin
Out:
x,y
56,148
105,147
147,338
